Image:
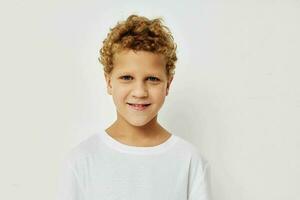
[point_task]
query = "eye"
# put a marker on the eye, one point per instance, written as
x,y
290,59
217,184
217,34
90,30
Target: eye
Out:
x,y
154,78
122,77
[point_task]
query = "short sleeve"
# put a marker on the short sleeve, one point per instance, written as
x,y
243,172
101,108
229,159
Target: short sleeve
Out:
x,y
198,182
68,186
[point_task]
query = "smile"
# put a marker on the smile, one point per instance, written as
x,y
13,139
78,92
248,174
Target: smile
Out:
x,y
138,107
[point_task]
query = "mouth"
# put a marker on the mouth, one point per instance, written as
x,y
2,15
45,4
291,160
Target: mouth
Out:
x,y
138,106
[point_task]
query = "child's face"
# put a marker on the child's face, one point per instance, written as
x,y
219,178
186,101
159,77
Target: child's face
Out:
x,y
138,78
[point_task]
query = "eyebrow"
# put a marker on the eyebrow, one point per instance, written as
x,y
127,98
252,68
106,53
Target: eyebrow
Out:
x,y
131,74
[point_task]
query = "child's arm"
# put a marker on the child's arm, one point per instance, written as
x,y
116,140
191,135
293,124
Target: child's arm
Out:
x,y
68,186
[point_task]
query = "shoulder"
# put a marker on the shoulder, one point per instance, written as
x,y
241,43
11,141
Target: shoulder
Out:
x,y
192,151
82,150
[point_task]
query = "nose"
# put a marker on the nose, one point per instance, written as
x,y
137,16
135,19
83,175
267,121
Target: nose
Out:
x,y
139,90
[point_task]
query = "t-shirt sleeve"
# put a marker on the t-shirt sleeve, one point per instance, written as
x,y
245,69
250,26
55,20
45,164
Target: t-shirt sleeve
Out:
x,y
68,183
198,181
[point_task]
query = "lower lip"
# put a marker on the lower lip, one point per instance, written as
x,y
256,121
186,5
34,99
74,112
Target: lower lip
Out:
x,y
139,108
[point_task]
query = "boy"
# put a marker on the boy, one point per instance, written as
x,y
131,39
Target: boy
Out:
x,y
136,158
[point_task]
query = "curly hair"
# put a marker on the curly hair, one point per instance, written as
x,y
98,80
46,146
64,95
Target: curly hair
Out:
x,y
139,33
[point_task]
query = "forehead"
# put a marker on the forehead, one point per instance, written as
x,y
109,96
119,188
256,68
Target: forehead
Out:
x,y
139,61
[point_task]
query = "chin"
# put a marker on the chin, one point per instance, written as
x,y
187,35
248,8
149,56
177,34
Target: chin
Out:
x,y
138,121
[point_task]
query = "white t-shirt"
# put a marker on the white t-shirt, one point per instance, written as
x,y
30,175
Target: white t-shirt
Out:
x,y
102,168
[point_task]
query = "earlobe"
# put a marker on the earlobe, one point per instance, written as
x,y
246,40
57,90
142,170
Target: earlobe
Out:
x,y
168,85
108,90
108,83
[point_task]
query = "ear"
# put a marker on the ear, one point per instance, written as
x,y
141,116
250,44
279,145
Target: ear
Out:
x,y
108,83
169,84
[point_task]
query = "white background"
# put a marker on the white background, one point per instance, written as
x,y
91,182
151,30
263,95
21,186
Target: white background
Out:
x,y
235,93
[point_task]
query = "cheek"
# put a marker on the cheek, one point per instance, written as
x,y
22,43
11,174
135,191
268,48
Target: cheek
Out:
x,y
158,93
119,94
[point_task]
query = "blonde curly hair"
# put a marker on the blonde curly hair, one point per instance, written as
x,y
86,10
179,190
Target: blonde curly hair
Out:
x,y
139,33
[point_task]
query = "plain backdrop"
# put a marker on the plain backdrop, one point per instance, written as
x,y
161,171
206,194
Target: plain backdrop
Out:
x,y
235,93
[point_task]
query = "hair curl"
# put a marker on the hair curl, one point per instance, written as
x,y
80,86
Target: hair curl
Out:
x,y
139,33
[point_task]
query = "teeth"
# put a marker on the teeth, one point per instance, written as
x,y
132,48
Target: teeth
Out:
x,y
138,105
